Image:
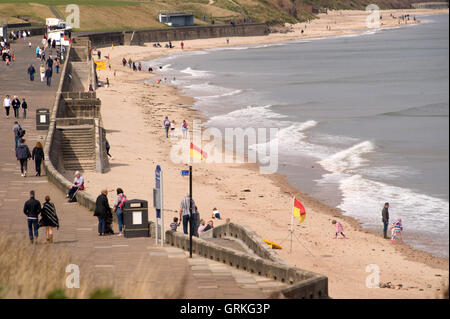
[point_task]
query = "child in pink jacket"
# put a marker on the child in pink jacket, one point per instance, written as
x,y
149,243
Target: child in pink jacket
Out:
x,y
339,229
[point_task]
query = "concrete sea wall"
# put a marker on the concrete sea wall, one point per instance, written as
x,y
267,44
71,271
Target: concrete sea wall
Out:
x,y
139,37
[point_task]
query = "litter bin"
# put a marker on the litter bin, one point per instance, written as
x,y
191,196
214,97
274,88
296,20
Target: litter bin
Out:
x,y
135,218
42,119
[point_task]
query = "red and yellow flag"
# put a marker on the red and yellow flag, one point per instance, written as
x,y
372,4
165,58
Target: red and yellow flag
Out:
x,y
299,211
197,152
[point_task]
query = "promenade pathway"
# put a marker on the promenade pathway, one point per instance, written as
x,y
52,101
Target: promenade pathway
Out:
x,y
110,258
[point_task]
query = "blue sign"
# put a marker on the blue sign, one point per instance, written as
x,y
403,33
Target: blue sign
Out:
x,y
158,177
158,186
185,173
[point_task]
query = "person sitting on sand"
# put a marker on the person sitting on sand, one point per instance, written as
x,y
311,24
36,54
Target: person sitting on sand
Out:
x,y
339,229
215,214
396,231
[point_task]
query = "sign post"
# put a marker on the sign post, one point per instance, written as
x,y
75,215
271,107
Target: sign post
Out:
x,y
158,203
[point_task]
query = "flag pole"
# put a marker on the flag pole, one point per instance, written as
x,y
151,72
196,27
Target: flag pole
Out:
x,y
292,220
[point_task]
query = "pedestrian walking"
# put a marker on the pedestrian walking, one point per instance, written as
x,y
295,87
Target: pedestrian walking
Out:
x,y
32,209
184,129
23,155
49,219
182,45
385,219
24,108
50,63
31,71
16,106
48,75
57,64
339,229
185,211
42,72
166,126
18,134
7,105
38,156
102,210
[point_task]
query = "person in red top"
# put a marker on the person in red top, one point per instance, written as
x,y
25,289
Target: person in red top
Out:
x,y
182,45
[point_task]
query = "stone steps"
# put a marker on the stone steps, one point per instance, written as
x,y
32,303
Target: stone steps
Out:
x,y
78,147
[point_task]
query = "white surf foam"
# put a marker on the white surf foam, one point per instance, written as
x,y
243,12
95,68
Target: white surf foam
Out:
x,y
249,116
196,73
230,93
362,198
348,159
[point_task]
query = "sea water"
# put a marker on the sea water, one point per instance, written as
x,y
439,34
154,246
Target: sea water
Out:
x,y
363,119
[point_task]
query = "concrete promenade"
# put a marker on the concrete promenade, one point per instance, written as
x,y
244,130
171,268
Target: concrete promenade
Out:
x,y
109,258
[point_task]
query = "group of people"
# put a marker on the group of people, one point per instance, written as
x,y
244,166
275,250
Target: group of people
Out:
x,y
46,65
23,154
169,126
45,70
132,64
198,225
103,212
6,52
16,104
32,209
168,45
396,227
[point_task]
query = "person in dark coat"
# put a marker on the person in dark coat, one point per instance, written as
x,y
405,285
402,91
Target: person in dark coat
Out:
x,y
48,75
385,219
22,155
16,106
50,63
24,108
49,219
38,155
32,209
102,210
31,71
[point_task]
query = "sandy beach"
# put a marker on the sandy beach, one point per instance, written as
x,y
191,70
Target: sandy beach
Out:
x,y
133,110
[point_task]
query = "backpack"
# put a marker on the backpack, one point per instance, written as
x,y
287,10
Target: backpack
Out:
x,y
123,199
20,131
